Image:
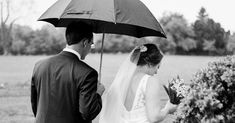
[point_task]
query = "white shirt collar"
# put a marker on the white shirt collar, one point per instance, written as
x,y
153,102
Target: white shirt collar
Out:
x,y
72,51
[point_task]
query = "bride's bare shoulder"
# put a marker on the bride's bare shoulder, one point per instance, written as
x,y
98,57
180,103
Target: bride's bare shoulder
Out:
x,y
153,83
153,88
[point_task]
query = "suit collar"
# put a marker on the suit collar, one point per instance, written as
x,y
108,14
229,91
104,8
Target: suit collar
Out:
x,y
72,51
69,54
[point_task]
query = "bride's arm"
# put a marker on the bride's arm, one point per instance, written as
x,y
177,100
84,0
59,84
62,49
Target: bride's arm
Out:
x,y
154,112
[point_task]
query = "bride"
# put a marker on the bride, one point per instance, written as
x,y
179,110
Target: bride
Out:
x,y
134,95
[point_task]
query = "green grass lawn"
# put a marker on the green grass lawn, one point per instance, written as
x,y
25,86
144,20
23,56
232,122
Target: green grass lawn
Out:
x,y
15,73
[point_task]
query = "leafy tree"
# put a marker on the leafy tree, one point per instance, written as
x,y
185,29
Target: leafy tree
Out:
x,y
209,46
47,40
22,36
18,47
210,36
179,31
116,43
24,33
166,45
5,30
7,22
231,44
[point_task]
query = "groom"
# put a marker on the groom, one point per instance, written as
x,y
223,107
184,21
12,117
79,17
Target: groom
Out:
x,y
64,89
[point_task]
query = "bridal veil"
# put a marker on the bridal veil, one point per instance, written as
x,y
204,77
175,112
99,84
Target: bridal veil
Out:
x,y
113,100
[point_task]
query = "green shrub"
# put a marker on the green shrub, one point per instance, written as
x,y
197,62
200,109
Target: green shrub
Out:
x,y
211,98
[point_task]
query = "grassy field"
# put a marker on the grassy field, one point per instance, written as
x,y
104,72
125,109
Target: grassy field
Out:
x,y
15,73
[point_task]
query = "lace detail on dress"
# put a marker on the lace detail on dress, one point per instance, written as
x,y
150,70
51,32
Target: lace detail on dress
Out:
x,y
138,112
139,101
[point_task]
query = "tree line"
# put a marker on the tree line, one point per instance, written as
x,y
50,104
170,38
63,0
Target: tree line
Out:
x,y
202,37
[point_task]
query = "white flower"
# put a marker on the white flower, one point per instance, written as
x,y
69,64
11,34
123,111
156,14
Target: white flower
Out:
x,y
180,87
143,48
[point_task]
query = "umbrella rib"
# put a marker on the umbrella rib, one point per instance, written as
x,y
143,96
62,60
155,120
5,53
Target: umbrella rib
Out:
x,y
64,10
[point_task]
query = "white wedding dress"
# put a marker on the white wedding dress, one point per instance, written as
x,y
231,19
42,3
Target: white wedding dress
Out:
x,y
113,109
137,114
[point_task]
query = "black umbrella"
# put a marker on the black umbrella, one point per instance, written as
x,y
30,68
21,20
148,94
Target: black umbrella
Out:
x,y
127,17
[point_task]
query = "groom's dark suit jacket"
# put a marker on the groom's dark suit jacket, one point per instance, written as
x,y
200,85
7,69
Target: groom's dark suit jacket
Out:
x,y
63,90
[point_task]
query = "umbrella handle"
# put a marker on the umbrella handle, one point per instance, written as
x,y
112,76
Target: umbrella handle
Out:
x,y
101,58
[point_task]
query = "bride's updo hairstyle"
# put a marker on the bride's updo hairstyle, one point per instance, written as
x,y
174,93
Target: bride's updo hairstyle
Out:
x,y
147,54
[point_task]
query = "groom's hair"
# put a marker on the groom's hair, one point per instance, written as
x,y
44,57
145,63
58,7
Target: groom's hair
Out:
x,y
77,31
152,56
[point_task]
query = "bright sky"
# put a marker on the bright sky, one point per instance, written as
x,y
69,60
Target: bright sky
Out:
x,y
220,10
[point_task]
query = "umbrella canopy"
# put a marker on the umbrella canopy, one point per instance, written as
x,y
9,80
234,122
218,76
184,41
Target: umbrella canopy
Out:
x,y
128,17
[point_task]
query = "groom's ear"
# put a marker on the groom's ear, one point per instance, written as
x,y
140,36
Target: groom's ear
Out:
x,y
84,42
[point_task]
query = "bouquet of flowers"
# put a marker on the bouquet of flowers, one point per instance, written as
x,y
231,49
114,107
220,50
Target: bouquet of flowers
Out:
x,y
176,90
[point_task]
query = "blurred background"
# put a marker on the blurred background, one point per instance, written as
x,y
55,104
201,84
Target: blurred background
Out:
x,y
197,32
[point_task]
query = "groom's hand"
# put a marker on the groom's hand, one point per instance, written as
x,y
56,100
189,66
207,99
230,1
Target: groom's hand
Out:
x,y
100,89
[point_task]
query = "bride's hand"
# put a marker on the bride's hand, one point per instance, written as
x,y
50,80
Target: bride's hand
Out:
x,y
171,107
